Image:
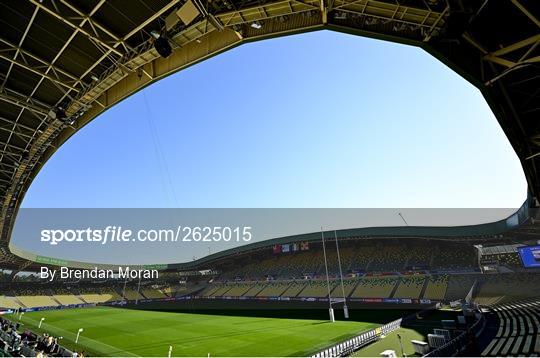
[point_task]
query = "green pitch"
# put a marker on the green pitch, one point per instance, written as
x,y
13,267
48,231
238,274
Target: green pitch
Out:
x,y
123,332
391,341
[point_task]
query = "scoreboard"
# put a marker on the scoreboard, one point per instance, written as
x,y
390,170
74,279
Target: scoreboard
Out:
x,y
530,256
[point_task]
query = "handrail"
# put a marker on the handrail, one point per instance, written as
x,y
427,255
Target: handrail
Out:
x,y
358,341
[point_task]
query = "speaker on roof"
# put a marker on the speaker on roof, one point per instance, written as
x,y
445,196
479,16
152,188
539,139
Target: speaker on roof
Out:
x,y
163,47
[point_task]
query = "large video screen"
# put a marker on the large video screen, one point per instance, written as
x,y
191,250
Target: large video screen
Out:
x,y
530,256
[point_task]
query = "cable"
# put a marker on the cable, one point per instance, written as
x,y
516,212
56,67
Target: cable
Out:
x,y
162,162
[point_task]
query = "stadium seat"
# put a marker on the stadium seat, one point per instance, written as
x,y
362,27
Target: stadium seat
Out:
x,y
8,302
436,287
152,293
518,332
67,299
316,289
410,287
37,301
273,289
375,287
293,289
348,287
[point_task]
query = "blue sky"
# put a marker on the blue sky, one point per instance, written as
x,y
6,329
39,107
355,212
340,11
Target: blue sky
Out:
x,y
314,120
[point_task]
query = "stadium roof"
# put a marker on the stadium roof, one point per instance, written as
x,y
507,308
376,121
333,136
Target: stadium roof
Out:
x,y
63,62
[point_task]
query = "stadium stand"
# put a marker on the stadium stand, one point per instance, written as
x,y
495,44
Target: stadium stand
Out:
x,y
487,288
348,287
131,294
237,289
273,289
410,287
293,289
355,258
67,299
418,257
348,259
316,289
510,259
210,290
152,293
518,332
184,290
299,264
99,297
500,258
375,287
371,269
459,286
286,266
37,301
220,291
364,255
389,258
499,288
254,290
454,258
436,287
9,302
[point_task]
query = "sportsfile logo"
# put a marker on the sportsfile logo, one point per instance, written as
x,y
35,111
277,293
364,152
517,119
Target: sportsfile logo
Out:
x,y
109,234
123,235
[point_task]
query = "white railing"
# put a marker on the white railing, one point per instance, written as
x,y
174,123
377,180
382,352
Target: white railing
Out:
x,y
353,344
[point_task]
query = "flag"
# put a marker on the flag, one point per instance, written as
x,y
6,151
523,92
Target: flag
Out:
x,y
276,249
285,248
295,247
304,246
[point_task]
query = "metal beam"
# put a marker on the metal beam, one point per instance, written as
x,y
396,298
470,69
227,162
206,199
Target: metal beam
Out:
x,y
513,67
10,121
516,46
131,33
388,11
97,24
77,27
38,72
260,12
499,61
20,134
20,149
526,12
432,28
39,59
22,103
150,19
50,67
475,43
23,37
